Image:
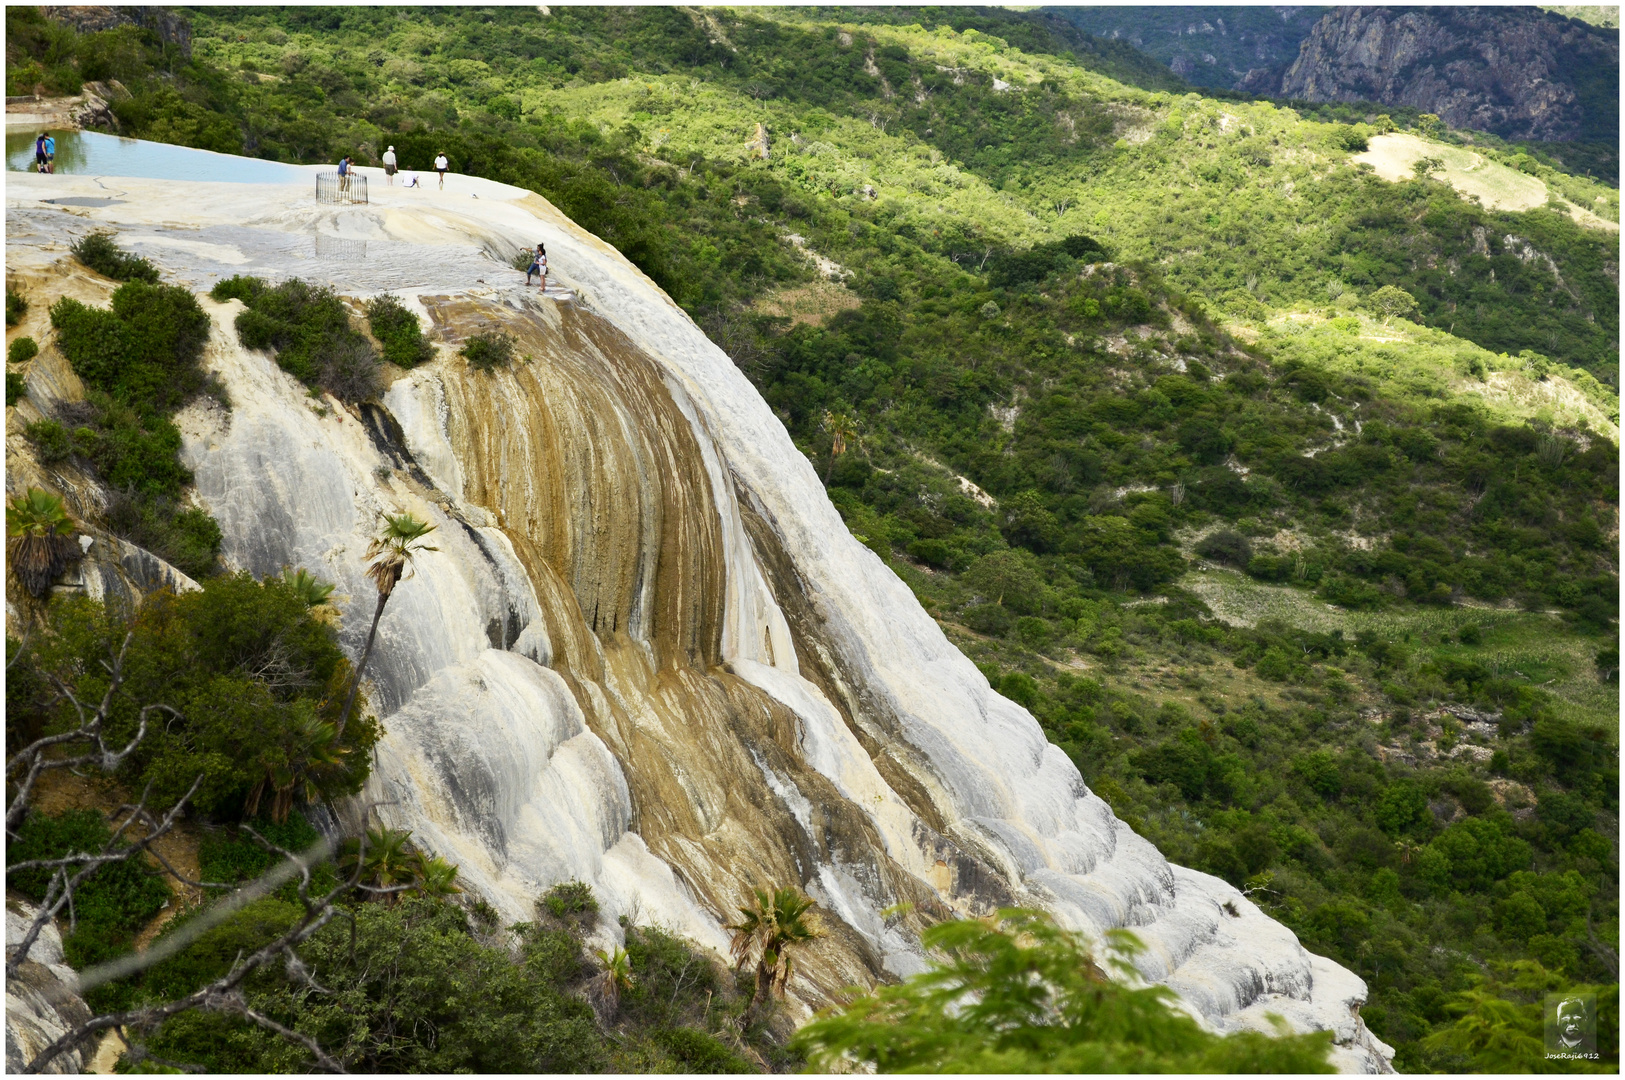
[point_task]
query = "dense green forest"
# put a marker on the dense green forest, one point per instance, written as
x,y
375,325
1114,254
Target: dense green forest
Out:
x,y
1284,496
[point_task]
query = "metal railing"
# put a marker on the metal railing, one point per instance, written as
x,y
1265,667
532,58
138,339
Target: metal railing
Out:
x,y
333,188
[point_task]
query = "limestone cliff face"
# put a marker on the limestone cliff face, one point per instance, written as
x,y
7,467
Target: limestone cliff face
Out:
x,y
1517,72
647,654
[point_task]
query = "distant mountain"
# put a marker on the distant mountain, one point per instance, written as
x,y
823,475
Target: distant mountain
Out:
x,y
1548,74
1517,72
1208,46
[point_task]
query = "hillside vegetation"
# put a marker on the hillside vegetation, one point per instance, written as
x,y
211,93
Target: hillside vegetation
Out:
x,y
1284,495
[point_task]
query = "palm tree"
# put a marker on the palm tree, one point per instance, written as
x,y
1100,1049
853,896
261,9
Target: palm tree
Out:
x,y
768,931
841,427
305,585
387,861
615,978
391,552
310,750
435,876
39,540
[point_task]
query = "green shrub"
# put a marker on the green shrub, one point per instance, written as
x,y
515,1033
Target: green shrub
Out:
x,y
21,351
145,352
257,330
993,620
214,951
51,440
1353,138
99,252
1022,995
185,537
700,1052
111,906
487,352
16,307
933,553
397,329
571,900
1352,593
132,453
412,991
256,679
554,955
16,388
309,329
229,855
1227,547
1034,632
239,287
1019,688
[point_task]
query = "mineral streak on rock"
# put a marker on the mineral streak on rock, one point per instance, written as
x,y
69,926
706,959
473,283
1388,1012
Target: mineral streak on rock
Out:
x,y
648,654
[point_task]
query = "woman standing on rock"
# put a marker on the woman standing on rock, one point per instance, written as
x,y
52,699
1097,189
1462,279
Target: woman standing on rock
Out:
x,y
538,265
440,166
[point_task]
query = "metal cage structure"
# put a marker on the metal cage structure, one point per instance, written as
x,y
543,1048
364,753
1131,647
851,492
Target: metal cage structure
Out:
x,y
348,189
341,248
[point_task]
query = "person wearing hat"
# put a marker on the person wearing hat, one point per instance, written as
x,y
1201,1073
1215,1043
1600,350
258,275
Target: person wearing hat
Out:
x,y
440,166
389,166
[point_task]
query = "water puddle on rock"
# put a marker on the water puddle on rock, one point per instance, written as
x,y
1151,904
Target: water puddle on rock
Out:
x,y
94,154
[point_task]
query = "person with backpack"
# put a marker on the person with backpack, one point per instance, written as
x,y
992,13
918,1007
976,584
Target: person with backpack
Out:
x,y
440,166
538,265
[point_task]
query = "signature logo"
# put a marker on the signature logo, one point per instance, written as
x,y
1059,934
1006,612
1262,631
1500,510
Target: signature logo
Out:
x,y
1571,1026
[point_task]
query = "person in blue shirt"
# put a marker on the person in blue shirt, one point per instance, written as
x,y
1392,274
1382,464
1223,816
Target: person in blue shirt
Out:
x,y
50,154
344,173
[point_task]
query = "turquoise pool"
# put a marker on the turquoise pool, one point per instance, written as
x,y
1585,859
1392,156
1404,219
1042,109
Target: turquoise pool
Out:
x,y
108,155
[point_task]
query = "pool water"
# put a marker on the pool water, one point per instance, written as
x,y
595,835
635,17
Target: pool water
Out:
x,y
90,152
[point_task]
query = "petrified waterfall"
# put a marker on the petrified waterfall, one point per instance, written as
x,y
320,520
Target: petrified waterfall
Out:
x,y
647,654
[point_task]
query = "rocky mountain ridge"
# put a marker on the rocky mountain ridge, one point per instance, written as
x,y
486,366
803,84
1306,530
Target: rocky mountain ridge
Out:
x,y
1208,45
1516,72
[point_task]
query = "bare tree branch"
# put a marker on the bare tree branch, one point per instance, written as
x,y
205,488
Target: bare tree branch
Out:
x,y
90,730
224,994
287,1033
60,891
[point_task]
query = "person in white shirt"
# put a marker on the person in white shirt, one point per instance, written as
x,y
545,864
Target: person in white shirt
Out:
x,y
538,265
440,166
389,166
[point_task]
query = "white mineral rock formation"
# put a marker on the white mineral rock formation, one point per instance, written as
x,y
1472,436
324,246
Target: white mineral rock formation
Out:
x,y
647,654
42,1003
